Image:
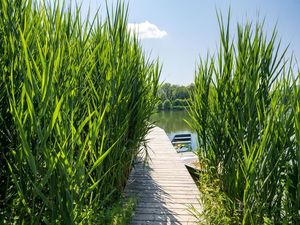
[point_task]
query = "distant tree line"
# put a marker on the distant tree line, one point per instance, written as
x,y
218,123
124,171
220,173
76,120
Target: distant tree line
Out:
x,y
174,96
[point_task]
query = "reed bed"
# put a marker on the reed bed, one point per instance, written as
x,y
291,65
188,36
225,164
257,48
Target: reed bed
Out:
x,y
76,97
246,111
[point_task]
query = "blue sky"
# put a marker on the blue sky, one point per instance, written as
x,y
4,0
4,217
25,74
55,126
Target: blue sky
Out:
x,y
187,30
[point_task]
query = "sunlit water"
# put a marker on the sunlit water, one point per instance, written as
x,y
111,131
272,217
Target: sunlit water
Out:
x,y
173,122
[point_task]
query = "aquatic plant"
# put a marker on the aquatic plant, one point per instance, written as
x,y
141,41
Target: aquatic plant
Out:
x,y
76,96
246,114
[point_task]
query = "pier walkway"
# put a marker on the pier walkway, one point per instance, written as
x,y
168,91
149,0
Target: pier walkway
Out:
x,y
164,188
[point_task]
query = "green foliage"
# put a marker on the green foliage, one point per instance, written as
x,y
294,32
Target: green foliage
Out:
x,y
246,114
185,102
159,105
217,205
120,214
165,92
173,92
167,104
177,102
177,95
180,92
76,99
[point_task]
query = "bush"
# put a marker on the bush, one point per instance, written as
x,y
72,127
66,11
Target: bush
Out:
x,y
177,102
167,104
185,102
177,105
180,104
159,105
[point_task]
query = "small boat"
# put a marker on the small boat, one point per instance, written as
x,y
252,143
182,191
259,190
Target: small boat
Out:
x,y
182,142
182,139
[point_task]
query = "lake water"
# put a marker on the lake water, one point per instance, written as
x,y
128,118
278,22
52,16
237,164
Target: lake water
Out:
x,y
173,122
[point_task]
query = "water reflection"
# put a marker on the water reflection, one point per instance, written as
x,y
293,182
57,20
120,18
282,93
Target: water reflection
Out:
x,y
173,122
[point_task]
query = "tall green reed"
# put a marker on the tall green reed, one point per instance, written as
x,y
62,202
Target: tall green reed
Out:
x,y
76,98
245,112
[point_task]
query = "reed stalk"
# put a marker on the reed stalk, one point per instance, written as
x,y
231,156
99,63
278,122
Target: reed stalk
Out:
x,y
76,98
246,114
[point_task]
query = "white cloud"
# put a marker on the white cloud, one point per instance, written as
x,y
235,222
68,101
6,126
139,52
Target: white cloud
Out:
x,y
146,30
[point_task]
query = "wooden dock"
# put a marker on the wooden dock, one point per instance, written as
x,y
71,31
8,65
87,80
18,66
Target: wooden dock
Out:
x,y
163,187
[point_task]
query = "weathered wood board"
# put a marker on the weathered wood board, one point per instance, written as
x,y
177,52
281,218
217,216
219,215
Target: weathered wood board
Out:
x,y
164,188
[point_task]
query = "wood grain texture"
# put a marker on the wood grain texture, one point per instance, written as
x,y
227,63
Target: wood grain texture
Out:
x,y
164,189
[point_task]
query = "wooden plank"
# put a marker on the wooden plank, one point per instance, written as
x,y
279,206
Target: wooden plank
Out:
x,y
160,185
163,217
168,206
144,222
170,192
159,211
163,196
165,200
163,187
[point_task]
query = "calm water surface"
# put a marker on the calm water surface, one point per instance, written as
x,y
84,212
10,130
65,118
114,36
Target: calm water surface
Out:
x,y
173,122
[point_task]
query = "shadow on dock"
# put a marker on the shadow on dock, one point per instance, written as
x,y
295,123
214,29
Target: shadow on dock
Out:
x,y
164,188
153,203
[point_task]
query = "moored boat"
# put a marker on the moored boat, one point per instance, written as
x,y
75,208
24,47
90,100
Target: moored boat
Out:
x,y
182,142
182,139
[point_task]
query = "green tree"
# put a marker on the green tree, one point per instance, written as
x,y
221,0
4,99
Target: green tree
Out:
x,y
177,102
167,104
166,91
159,105
180,92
